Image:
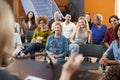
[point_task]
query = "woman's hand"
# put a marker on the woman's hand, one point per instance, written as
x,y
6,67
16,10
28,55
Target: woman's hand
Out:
x,y
103,60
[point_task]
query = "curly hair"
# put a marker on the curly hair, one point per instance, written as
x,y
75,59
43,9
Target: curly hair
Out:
x,y
42,18
112,73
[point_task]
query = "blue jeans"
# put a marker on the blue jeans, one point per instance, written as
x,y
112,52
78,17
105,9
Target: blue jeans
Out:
x,y
34,47
74,48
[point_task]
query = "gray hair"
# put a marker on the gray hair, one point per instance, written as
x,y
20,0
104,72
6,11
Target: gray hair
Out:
x,y
99,17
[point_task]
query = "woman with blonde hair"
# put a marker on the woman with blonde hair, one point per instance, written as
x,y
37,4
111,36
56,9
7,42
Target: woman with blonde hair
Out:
x,y
57,44
81,35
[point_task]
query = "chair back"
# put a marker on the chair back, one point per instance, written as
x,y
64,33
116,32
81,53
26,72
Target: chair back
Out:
x,y
91,50
110,55
29,35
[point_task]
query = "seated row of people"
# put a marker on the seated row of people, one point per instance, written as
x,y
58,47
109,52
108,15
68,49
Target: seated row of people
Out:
x,y
79,34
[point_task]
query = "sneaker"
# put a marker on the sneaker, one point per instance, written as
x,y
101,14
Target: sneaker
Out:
x,y
22,54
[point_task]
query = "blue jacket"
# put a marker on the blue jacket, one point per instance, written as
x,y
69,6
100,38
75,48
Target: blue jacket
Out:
x,y
62,46
98,34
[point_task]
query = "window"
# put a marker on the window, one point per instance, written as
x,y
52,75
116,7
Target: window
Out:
x,y
118,7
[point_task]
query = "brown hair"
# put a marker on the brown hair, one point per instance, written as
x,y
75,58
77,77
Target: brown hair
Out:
x,y
32,19
116,35
6,31
113,16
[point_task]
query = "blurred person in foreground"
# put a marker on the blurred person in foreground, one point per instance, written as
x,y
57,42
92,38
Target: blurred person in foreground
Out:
x,y
6,39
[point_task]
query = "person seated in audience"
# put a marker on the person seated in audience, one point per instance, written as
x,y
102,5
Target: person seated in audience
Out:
x,y
28,23
89,19
39,37
17,42
56,18
109,35
17,26
68,27
71,66
98,29
115,47
57,45
81,35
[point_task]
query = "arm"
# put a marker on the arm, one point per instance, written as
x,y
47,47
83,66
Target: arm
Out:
x,y
106,44
106,39
34,35
47,45
23,25
89,36
104,59
115,62
72,37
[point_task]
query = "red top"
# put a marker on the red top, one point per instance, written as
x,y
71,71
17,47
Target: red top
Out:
x,y
109,35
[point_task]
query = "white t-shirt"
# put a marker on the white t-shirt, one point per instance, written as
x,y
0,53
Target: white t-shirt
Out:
x,y
68,29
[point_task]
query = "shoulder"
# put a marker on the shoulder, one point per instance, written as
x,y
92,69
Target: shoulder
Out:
x,y
36,29
94,26
114,42
110,29
51,36
104,26
63,37
72,23
62,23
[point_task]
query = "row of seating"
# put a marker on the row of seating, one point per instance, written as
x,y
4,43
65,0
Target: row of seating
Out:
x,y
92,50
88,50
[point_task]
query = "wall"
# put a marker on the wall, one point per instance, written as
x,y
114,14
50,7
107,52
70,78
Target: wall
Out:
x,y
62,4
21,11
79,4
104,7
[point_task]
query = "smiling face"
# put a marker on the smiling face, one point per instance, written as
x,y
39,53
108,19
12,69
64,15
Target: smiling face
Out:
x,y
30,15
58,28
88,17
56,16
81,23
42,23
68,17
114,21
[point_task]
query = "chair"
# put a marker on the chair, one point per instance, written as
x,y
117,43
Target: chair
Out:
x,y
29,35
91,50
111,57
